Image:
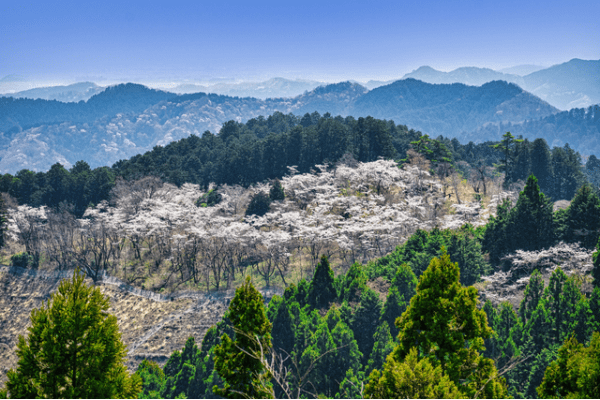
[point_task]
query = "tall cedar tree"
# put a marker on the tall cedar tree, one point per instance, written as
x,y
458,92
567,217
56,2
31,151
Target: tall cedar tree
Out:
x,y
430,340
322,289
73,350
238,361
533,221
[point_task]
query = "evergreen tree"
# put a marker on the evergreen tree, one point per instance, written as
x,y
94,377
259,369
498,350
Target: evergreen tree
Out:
x,y
576,372
276,192
322,290
507,147
283,330
383,346
534,293
394,307
153,379
541,166
532,228
73,349
429,340
365,321
556,304
260,204
238,361
353,284
583,218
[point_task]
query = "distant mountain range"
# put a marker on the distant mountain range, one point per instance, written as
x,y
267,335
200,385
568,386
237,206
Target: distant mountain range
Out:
x,y
272,88
129,119
575,83
70,93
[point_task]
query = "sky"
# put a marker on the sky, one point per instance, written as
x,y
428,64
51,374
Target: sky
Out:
x,y
200,41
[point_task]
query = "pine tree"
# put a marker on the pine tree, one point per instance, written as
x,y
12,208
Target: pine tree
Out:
x,y
238,361
73,349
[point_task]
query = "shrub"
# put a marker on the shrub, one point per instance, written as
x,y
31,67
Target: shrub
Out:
x,y
259,204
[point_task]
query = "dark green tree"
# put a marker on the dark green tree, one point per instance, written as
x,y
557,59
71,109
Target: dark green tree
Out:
x,y
238,361
259,204
73,350
507,147
583,218
533,222
365,321
541,166
276,192
322,290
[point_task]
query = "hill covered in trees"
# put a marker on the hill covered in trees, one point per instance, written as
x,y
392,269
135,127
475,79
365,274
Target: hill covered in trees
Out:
x,y
265,148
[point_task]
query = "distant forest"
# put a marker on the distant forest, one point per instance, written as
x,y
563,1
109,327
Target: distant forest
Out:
x,y
265,148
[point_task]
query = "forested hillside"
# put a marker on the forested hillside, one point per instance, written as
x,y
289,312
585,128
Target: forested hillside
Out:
x,y
265,148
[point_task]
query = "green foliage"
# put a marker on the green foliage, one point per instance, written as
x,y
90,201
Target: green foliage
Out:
x,y
238,361
276,192
153,379
259,204
353,284
209,199
73,349
528,226
322,290
22,259
365,320
382,347
576,372
430,343
582,218
463,246
596,270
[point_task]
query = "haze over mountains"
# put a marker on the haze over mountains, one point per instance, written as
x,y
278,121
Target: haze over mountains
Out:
x,y
565,86
129,119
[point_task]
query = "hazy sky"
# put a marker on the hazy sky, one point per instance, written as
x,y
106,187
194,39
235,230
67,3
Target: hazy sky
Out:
x,y
323,40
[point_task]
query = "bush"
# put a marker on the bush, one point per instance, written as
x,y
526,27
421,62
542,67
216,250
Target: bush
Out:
x,y
276,192
22,260
209,199
259,205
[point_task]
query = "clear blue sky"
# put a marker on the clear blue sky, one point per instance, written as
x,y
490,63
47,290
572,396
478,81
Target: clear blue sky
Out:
x,y
325,40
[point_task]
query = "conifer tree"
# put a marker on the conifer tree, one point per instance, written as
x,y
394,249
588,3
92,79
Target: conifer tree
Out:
x,y
534,293
576,372
238,361
365,321
430,341
322,290
583,218
73,350
533,226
